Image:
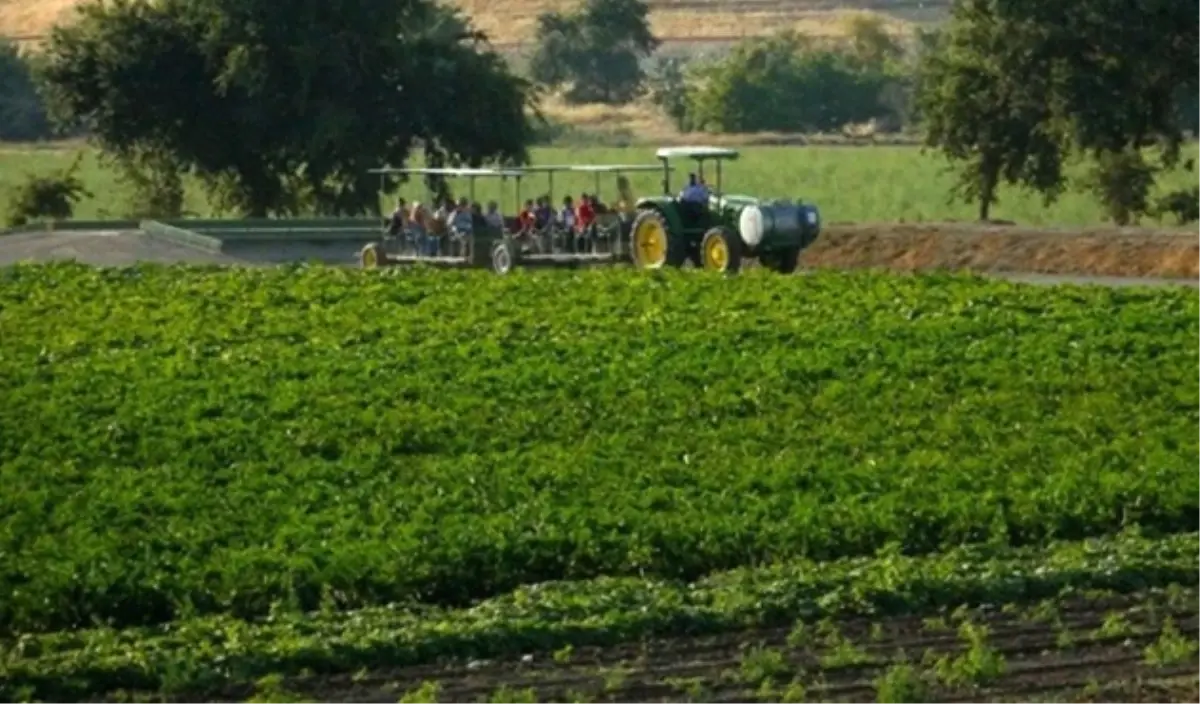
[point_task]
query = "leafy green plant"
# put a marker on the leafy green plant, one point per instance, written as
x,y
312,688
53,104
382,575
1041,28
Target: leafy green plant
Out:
x,y
428,691
1115,625
1171,647
762,665
507,695
42,197
901,682
978,665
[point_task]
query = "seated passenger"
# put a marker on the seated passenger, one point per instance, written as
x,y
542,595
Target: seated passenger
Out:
x,y
421,221
526,219
585,214
543,213
440,220
398,221
566,216
460,218
493,217
479,222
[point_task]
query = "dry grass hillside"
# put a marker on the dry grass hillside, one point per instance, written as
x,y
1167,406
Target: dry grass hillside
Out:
x,y
511,22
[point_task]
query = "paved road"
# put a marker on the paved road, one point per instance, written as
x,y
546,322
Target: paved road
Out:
x,y
117,248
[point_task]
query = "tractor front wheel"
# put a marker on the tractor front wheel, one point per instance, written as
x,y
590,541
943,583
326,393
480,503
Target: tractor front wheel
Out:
x,y
721,250
651,243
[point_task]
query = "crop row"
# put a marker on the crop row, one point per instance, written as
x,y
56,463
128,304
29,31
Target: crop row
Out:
x,y
200,654
182,441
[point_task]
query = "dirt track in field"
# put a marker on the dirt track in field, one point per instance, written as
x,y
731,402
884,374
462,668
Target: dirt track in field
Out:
x,y
1127,252
1064,654
1004,250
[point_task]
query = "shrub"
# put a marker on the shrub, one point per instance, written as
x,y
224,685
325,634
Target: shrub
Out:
x,y
41,197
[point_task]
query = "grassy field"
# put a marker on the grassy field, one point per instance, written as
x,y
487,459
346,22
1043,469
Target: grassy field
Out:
x,y
850,184
220,481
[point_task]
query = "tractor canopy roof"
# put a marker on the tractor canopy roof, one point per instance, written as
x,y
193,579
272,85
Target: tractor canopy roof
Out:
x,y
696,153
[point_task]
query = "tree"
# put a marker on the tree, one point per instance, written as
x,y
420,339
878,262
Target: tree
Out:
x,y
22,115
1016,85
595,52
983,113
283,107
784,83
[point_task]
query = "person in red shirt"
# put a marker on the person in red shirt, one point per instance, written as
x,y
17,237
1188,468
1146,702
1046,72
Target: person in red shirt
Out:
x,y
585,216
525,219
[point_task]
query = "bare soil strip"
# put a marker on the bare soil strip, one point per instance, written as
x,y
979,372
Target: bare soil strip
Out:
x,y
1128,252
1139,254
1080,650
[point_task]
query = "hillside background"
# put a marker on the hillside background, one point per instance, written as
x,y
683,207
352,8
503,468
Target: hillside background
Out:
x,y
681,24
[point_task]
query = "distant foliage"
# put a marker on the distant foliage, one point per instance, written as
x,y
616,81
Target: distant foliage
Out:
x,y
595,53
1121,181
22,113
1183,205
669,91
787,83
46,197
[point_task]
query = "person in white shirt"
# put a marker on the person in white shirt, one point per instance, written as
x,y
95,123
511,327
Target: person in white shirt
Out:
x,y
566,216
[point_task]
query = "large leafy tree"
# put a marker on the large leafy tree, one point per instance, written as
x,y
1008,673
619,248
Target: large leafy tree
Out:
x,y
283,107
1014,86
595,52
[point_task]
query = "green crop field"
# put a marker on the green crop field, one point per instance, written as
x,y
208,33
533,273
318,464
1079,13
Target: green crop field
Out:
x,y
213,475
850,184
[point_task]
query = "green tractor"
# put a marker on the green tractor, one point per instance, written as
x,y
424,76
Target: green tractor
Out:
x,y
717,230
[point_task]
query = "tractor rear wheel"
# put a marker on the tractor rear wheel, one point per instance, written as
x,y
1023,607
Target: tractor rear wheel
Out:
x,y
783,261
721,250
652,244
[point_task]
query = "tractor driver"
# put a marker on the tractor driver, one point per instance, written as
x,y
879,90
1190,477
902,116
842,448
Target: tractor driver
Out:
x,y
695,192
693,201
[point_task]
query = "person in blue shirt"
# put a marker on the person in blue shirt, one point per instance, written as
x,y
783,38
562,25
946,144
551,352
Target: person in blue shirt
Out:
x,y
694,192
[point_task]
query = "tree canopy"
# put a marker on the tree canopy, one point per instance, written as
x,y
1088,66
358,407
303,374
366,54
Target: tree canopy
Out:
x,y
595,52
1013,87
283,107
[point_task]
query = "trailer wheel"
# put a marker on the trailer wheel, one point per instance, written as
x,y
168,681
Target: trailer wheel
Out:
x,y
504,256
373,256
721,250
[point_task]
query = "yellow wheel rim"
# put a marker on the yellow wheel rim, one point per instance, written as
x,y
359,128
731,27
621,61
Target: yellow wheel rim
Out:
x,y
716,254
370,259
650,240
